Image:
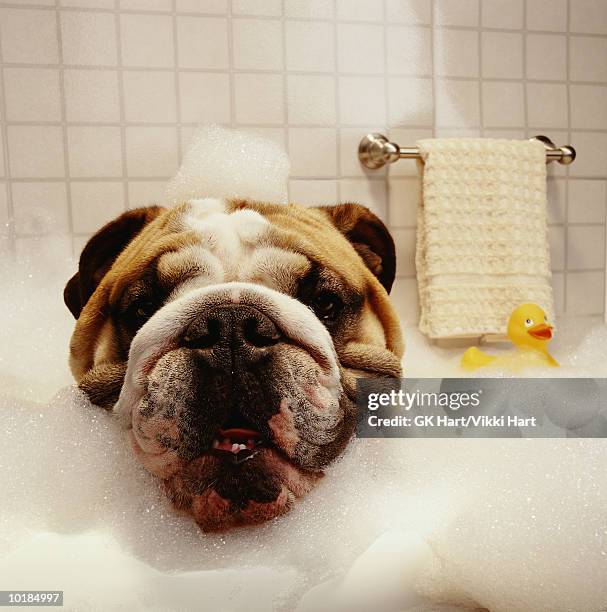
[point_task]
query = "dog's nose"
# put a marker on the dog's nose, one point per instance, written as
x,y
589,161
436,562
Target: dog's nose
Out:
x,y
238,329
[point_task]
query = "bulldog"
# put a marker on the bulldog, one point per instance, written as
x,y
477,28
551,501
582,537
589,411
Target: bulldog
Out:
x,y
227,337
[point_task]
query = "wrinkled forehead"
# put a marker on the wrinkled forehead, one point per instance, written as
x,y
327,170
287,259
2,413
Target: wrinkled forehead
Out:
x,y
218,241
230,246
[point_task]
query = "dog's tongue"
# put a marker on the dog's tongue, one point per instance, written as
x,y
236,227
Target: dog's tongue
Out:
x,y
239,434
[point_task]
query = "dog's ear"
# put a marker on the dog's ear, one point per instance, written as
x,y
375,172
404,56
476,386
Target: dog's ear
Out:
x,y
100,253
369,236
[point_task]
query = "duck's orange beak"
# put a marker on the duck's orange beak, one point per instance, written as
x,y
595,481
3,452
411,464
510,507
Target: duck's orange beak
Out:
x,y
542,331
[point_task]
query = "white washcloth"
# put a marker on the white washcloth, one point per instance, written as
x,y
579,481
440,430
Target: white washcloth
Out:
x,y
482,234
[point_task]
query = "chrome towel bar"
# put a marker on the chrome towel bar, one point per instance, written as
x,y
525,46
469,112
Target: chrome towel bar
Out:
x,y
375,151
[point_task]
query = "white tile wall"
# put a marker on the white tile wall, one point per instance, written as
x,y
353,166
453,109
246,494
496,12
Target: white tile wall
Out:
x,y
257,44
136,32
94,151
548,15
100,97
409,50
456,12
29,36
546,57
95,203
24,102
91,96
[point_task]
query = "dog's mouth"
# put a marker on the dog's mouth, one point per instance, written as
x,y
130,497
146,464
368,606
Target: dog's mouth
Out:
x,y
242,478
238,444
242,457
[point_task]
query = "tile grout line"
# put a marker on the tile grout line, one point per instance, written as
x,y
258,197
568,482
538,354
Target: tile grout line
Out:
x,y
336,76
480,71
10,210
231,77
66,158
285,90
177,84
524,79
122,109
262,71
433,63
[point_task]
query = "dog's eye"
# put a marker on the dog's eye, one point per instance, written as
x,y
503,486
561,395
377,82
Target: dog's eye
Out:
x,y
139,312
327,306
145,310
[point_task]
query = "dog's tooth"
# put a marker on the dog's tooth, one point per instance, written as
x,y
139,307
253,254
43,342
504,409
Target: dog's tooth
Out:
x,y
242,446
235,448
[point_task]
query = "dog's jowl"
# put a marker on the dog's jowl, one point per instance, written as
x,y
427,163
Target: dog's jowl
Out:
x,y
227,337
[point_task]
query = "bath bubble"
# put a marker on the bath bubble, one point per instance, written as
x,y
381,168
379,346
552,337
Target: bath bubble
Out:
x,y
433,524
36,326
502,524
224,163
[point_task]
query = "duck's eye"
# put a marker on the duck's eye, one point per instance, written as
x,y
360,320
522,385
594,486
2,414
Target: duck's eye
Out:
x,y
529,322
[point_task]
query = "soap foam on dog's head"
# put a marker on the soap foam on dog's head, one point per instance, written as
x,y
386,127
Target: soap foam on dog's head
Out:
x,y
222,163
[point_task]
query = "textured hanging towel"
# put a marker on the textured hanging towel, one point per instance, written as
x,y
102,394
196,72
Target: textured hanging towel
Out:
x,y
482,234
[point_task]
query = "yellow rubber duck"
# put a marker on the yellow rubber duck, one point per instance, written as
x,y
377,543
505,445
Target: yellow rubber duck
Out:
x,y
529,331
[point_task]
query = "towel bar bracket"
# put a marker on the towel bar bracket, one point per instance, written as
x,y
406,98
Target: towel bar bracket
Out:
x,y
375,151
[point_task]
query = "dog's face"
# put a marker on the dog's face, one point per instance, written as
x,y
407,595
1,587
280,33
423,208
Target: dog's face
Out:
x,y
227,335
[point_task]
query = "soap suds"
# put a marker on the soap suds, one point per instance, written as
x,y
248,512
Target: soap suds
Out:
x,y
421,524
222,163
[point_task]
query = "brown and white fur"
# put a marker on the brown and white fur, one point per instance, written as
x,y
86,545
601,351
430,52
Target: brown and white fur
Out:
x,y
215,321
